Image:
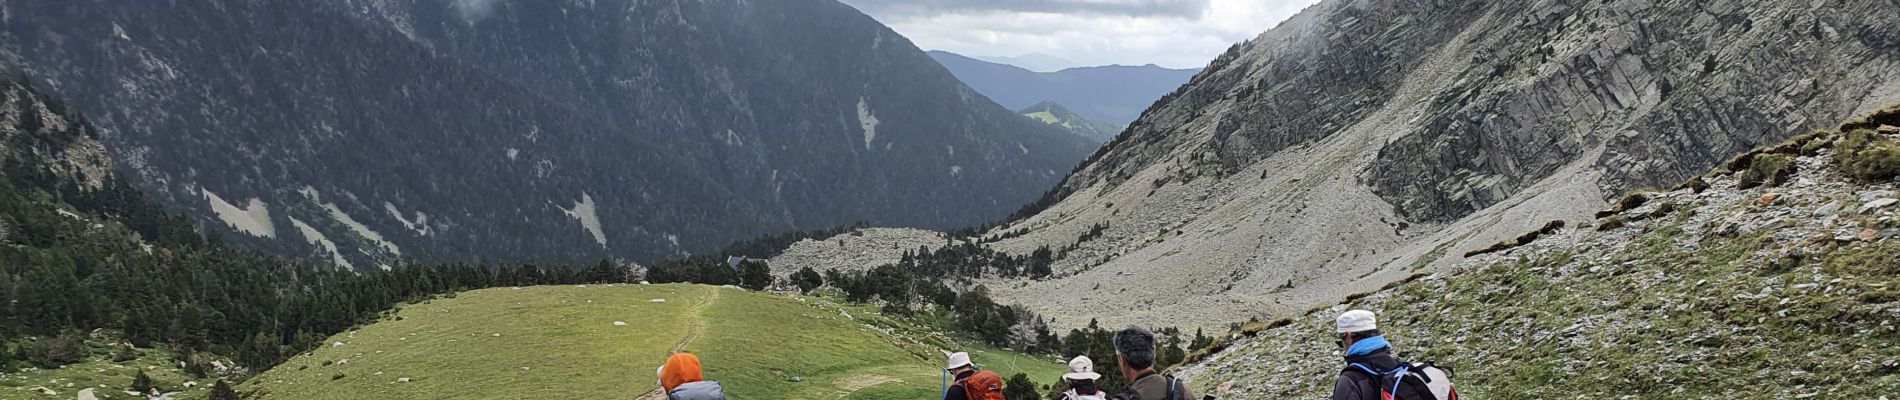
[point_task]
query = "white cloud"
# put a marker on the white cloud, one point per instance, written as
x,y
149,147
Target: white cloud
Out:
x,y
1176,34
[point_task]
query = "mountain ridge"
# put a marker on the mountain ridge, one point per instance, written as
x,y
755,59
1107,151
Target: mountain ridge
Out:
x,y
1221,203
450,135
1113,94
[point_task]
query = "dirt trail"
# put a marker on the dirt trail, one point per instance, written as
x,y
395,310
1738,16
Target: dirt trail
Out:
x,y
692,332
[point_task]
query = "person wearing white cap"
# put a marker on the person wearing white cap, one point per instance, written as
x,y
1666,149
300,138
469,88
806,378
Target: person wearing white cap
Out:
x,y
971,383
1081,379
1359,337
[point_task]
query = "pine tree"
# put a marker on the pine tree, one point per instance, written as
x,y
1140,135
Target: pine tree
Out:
x,y
754,275
6,358
1019,387
142,383
222,391
807,280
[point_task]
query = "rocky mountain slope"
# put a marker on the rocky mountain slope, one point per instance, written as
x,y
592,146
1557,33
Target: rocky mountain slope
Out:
x,y
1114,94
1055,114
857,250
1361,141
1774,277
367,131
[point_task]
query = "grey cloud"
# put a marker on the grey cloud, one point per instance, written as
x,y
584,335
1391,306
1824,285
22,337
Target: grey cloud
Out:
x,y
1134,8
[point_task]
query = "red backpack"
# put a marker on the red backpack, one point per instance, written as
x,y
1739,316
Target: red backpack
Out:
x,y
982,385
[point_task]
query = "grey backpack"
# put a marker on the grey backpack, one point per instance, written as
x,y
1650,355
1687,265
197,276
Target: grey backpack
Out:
x,y
702,390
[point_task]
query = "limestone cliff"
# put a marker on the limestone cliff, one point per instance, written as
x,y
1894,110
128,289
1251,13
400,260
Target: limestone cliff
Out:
x,y
1361,141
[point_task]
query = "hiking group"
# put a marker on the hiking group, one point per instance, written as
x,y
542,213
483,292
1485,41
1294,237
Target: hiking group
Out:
x,y
1372,372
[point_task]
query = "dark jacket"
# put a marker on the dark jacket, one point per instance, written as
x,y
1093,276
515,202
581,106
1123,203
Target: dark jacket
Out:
x,y
1154,386
956,389
1356,385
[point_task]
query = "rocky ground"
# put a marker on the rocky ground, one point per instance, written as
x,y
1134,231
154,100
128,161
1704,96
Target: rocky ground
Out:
x,y
1441,128
858,250
1710,290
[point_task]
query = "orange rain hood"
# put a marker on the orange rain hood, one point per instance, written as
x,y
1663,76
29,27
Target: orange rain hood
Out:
x,y
679,369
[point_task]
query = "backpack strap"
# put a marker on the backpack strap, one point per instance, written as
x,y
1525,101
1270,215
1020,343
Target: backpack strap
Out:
x,y
1172,394
1364,369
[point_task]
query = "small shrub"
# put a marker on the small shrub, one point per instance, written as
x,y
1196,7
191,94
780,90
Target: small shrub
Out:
x,y
142,383
1613,223
1767,169
6,358
1867,156
222,391
56,351
124,354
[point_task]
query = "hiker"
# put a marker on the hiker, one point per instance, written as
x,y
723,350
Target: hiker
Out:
x,y
1373,373
1135,354
1081,379
971,383
680,379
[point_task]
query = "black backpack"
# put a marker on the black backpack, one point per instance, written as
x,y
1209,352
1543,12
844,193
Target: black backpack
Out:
x,y
1410,381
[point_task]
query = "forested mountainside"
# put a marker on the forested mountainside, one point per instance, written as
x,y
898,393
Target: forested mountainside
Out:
x,y
91,269
1055,114
1774,276
1362,140
367,131
1115,94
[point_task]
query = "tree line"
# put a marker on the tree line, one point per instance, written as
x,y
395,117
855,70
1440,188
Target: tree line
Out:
x,y
76,258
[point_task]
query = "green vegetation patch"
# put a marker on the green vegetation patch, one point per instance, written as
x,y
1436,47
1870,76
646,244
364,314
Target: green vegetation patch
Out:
x,y
1867,156
1771,169
1665,320
563,342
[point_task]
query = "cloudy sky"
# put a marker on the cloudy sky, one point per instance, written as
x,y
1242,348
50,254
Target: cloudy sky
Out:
x,y
1172,33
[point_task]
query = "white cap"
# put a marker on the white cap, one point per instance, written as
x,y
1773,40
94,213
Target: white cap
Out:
x,y
957,359
1357,321
1081,368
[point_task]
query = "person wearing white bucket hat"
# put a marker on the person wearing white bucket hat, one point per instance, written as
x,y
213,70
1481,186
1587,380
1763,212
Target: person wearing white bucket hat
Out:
x,y
1081,379
1373,372
970,383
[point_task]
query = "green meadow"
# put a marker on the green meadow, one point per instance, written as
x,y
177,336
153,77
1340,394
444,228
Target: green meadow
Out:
x,y
564,342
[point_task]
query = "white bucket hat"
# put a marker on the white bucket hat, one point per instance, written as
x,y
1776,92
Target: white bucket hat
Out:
x,y
957,359
1357,321
1081,368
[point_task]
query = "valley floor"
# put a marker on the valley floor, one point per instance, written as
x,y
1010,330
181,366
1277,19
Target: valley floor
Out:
x,y
568,341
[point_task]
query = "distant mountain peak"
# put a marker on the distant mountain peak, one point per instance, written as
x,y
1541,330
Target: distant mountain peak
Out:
x,y
1115,94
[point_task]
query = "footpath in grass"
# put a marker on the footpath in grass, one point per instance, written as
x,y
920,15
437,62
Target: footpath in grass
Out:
x,y
563,342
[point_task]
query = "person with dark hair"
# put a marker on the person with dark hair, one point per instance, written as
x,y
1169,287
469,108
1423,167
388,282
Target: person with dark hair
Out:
x,y
1081,379
1135,354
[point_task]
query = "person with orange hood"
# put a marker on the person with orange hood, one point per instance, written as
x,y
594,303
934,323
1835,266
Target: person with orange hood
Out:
x,y
680,378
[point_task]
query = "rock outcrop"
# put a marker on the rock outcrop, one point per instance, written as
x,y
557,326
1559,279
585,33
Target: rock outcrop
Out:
x,y
1361,141
858,250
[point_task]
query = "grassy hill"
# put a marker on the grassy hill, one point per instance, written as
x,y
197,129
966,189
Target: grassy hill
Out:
x,y
562,342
